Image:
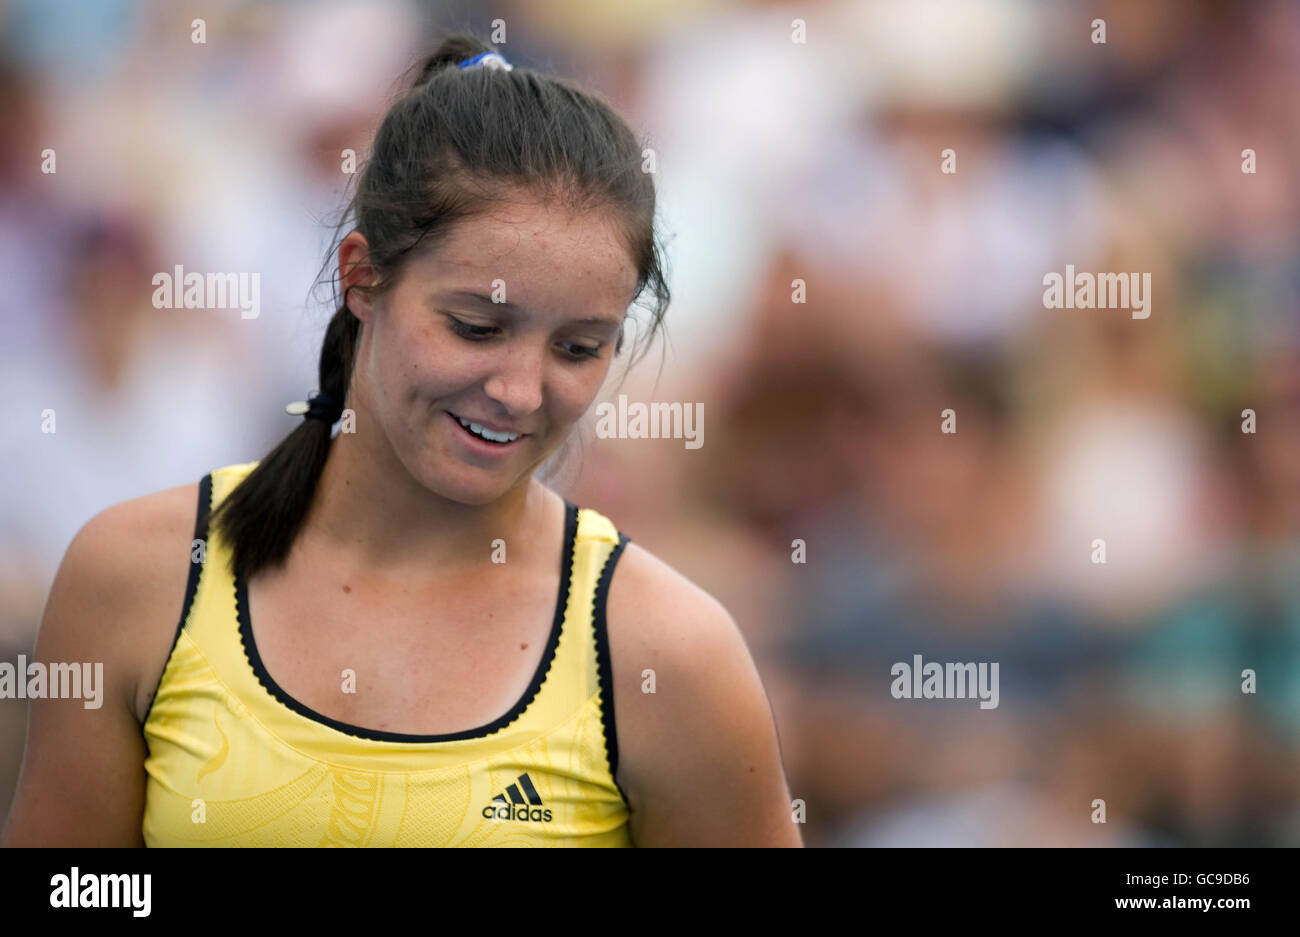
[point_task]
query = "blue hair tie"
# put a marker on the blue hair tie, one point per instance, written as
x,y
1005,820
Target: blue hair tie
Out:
x,y
487,60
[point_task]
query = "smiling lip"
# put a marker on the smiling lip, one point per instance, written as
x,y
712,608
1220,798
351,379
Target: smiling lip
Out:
x,y
492,426
479,446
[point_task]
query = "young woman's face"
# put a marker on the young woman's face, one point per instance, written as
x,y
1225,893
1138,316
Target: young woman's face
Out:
x,y
437,349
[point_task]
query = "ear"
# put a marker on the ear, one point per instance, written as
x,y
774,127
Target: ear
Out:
x,y
355,270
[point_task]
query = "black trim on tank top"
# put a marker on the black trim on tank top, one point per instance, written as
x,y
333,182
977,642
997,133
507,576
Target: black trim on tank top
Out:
x,y
604,665
191,583
378,735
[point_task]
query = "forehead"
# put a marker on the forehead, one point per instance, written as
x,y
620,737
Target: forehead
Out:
x,y
549,257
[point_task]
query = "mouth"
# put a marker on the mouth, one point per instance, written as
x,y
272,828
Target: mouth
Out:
x,y
480,439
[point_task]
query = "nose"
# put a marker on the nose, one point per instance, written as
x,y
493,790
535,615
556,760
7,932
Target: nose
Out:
x,y
516,382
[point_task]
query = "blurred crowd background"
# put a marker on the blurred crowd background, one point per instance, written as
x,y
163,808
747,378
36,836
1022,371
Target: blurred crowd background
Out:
x,y
776,161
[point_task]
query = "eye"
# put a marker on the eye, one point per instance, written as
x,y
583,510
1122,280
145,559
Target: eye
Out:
x,y
471,332
578,352
479,333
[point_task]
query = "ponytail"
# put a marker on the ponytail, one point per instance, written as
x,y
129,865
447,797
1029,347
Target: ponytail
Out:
x,y
262,517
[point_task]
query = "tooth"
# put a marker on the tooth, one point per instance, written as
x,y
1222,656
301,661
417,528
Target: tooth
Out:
x,y
487,433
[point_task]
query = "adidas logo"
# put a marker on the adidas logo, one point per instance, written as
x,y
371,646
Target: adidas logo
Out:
x,y
517,808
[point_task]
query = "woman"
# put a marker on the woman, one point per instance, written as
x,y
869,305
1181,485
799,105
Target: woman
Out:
x,y
397,636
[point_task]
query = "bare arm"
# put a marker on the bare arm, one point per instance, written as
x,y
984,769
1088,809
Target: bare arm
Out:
x,y
83,780
699,757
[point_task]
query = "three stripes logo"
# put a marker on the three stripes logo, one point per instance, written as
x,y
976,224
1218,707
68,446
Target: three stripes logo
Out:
x,y
517,807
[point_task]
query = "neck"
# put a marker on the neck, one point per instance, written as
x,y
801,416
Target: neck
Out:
x,y
374,510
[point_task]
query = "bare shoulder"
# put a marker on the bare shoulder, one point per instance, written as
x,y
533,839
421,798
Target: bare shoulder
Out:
x,y
693,724
120,587
115,603
661,620
654,611
134,547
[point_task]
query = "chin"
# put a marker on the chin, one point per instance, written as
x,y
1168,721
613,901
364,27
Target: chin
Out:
x,y
475,494
464,484
463,490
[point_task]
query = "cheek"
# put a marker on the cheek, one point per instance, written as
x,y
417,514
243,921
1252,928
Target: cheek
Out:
x,y
417,358
574,392
390,370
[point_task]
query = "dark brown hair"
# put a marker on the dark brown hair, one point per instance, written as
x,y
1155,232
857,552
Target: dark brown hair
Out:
x,y
455,141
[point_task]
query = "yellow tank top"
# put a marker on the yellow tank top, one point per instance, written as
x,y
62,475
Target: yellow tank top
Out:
x,y
235,761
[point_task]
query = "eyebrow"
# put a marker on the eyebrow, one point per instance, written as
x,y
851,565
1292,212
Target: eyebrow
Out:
x,y
488,303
